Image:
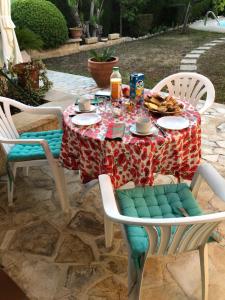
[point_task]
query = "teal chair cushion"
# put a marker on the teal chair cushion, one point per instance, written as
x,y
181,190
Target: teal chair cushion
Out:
x,y
35,151
162,201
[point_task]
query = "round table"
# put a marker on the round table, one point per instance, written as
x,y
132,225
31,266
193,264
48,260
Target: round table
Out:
x,y
133,158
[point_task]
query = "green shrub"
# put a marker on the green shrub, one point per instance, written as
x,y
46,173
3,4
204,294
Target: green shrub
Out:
x,y
65,9
28,40
43,18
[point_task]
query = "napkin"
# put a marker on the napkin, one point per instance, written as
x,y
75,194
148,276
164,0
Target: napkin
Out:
x,y
115,130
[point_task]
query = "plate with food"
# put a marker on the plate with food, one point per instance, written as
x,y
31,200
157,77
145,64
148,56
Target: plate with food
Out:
x,y
163,105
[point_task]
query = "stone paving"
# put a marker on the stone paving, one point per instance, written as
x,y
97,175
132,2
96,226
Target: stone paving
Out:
x,y
53,256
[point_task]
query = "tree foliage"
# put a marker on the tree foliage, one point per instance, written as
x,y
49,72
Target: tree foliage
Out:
x,y
130,8
219,5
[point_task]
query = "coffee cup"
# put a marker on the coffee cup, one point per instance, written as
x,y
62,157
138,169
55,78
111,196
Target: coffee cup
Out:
x,y
143,125
84,104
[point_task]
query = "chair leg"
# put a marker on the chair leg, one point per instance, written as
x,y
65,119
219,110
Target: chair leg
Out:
x,y
60,182
10,186
135,278
108,226
26,171
203,255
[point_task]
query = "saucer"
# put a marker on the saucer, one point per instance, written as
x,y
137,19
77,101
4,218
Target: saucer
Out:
x,y
92,108
152,130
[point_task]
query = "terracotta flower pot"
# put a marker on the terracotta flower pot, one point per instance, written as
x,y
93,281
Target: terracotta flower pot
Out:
x,y
76,32
101,71
22,70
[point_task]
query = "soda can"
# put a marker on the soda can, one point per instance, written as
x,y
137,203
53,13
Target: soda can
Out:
x,y
137,87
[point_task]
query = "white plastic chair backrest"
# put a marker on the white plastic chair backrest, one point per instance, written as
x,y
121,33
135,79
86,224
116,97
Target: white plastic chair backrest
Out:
x,y
7,127
167,235
188,86
186,237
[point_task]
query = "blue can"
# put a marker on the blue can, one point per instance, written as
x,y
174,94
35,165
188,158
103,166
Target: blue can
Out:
x,y
137,87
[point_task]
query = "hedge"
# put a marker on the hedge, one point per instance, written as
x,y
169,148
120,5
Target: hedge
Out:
x,y
43,18
65,9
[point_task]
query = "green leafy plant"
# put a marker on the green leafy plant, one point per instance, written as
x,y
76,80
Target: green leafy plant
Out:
x,y
28,40
43,18
106,54
28,94
65,9
219,5
74,5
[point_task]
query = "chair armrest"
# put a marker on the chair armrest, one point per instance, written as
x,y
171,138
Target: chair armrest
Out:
x,y
215,181
22,141
42,142
112,212
57,110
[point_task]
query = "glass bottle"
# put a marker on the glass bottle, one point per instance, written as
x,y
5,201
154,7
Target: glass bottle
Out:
x,y
115,84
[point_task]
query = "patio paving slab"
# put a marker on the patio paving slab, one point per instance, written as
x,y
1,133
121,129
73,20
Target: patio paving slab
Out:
x,y
52,256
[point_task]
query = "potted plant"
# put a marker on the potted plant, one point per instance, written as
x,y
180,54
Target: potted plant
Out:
x,y
100,66
28,73
22,82
76,31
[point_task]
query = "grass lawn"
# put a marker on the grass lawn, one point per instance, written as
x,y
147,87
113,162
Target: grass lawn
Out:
x,y
157,58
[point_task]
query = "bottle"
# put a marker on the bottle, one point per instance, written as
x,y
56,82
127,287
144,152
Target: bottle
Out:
x,y
115,84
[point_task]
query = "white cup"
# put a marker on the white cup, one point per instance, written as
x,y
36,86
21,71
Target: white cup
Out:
x,y
84,104
143,125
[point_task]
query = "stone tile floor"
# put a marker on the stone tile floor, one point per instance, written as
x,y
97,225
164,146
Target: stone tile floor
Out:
x,y
54,256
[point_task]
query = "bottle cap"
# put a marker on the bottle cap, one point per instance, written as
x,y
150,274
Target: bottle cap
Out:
x,y
115,68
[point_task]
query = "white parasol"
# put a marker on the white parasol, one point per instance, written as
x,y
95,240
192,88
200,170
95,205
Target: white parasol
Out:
x,y
9,48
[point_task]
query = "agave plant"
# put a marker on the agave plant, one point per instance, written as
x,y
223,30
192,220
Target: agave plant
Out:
x,y
106,54
74,5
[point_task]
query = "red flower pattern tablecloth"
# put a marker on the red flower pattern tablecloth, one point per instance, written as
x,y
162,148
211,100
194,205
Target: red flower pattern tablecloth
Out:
x,y
134,158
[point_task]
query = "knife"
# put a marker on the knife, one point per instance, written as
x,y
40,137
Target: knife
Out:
x,y
160,129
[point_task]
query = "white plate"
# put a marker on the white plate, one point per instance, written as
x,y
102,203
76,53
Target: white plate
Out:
x,y
86,119
152,130
92,108
173,122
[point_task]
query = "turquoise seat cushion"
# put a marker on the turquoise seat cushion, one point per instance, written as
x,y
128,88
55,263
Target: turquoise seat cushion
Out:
x,y
35,151
162,201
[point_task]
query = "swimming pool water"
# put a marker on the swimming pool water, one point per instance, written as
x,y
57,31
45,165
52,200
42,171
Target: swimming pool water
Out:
x,y
222,23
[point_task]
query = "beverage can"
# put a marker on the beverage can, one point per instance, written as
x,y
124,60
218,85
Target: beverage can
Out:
x,y
137,87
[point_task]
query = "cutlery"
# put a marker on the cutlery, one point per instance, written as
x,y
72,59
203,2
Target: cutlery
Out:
x,y
160,129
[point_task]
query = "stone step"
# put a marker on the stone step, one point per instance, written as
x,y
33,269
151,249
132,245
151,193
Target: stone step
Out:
x,y
203,48
217,41
189,61
188,67
193,55
210,44
197,51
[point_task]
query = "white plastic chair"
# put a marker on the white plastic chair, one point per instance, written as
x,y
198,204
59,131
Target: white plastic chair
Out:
x,y
166,235
188,86
9,138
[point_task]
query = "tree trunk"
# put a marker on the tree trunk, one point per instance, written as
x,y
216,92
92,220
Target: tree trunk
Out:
x,y
121,20
186,18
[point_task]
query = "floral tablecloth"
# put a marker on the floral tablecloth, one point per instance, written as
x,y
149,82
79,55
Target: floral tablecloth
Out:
x,y
134,158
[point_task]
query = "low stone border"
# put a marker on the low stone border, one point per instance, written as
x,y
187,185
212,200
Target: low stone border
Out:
x,y
73,46
189,62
